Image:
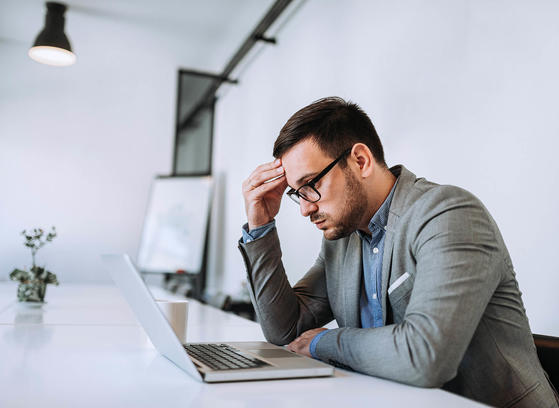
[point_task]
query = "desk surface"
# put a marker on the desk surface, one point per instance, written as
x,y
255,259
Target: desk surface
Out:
x,y
85,348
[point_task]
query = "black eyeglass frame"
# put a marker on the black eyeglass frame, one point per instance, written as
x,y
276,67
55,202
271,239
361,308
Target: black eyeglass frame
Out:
x,y
295,195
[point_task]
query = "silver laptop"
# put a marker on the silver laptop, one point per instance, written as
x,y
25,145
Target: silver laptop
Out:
x,y
209,362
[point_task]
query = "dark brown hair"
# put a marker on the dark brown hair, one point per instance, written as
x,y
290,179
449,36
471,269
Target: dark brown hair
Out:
x,y
334,125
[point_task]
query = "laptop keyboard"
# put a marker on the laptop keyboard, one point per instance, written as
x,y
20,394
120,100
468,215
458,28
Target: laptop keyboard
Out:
x,y
222,357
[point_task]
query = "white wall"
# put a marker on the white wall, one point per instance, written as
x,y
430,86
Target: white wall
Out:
x,y
80,145
461,92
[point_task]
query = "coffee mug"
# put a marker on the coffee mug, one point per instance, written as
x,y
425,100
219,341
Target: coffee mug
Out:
x,y
176,312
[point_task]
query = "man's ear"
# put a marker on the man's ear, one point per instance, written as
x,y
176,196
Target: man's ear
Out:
x,y
364,159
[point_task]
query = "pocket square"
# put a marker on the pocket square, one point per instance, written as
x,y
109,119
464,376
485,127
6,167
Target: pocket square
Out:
x,y
398,282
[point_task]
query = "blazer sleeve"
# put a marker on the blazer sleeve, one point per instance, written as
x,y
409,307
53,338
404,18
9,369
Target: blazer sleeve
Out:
x,y
456,252
282,311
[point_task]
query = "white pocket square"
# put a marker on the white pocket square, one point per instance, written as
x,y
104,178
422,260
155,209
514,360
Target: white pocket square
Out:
x,y
398,282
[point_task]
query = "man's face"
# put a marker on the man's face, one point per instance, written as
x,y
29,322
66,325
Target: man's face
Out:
x,y
343,202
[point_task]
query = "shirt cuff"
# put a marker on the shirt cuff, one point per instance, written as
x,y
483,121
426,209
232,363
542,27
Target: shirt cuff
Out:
x,y
314,342
258,232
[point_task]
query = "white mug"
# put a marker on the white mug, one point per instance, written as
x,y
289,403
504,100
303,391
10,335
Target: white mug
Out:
x,y
176,312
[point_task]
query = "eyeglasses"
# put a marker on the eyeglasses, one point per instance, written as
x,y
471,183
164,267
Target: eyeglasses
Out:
x,y
307,191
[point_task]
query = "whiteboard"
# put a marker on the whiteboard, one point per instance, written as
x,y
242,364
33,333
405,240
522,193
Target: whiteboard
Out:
x,y
174,233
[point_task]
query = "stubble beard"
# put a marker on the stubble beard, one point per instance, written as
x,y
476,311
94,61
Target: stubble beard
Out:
x,y
354,207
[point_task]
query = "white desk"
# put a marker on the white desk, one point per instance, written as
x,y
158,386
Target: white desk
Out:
x,y
84,348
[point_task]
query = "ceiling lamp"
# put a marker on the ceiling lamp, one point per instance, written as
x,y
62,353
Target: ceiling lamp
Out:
x,y
52,46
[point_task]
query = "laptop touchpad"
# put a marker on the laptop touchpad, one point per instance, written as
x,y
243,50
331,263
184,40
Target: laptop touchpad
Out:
x,y
273,353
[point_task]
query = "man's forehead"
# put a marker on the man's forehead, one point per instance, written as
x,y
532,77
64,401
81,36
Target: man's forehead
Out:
x,y
303,161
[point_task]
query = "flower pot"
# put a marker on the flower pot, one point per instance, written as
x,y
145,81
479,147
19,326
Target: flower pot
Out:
x,y
32,291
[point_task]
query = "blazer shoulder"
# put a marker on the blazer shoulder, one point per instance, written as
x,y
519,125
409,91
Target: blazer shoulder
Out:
x,y
413,190
447,197
448,206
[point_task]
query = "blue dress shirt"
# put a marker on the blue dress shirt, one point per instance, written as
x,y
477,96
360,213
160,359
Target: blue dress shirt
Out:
x,y
372,250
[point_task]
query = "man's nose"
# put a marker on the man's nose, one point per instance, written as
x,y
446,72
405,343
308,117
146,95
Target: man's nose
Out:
x,y
307,208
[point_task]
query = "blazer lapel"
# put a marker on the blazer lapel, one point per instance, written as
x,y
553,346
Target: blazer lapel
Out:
x,y
400,202
387,262
352,276
352,269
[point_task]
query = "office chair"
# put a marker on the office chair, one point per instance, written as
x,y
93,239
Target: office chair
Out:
x,y
548,353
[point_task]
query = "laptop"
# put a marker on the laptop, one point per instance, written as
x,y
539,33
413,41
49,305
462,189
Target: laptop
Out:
x,y
208,362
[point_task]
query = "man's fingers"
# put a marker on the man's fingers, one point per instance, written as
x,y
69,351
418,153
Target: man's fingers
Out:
x,y
268,166
263,174
256,179
265,187
301,344
293,346
297,346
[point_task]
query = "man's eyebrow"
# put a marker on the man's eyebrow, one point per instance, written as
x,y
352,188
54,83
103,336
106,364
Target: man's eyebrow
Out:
x,y
311,175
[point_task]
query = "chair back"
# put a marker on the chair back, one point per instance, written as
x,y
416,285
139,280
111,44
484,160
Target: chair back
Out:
x,y
548,354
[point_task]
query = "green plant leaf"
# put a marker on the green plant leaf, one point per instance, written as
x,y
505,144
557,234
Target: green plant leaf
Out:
x,y
20,275
51,278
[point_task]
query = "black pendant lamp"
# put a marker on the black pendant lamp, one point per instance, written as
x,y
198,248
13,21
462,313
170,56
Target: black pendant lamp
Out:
x,y
52,46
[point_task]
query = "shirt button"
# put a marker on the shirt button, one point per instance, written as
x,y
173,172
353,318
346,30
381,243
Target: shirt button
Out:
x,y
375,250
374,296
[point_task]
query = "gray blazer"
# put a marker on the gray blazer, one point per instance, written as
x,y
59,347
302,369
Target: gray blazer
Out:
x,y
451,304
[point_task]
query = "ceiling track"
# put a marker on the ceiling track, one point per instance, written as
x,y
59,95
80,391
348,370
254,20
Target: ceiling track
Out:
x,y
257,35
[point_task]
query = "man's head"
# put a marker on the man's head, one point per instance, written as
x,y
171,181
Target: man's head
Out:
x,y
334,141
334,125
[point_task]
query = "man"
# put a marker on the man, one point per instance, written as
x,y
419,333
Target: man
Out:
x,y
416,274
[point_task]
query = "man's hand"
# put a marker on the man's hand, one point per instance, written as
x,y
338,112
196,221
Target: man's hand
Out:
x,y
263,197
301,345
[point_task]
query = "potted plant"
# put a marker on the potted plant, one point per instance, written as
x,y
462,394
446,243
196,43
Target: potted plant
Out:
x,y
33,283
